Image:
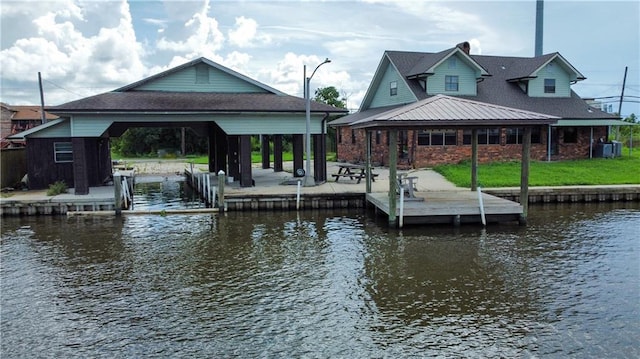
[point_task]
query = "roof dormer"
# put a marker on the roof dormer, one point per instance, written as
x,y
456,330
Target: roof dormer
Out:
x,y
547,76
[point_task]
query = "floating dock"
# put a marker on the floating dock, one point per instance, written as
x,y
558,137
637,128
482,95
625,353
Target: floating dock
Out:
x,y
452,207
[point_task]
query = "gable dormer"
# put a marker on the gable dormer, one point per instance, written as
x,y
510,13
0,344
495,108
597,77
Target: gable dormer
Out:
x,y
547,76
451,72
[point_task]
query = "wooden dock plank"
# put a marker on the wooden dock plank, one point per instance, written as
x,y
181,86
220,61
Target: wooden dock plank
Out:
x,y
441,206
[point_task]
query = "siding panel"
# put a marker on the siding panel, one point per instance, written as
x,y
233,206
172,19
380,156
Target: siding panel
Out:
x,y
382,96
552,71
466,79
84,126
41,165
185,81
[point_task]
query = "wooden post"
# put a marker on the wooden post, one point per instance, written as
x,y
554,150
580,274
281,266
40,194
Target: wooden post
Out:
x,y
246,179
117,192
393,176
265,152
221,180
319,158
298,150
368,161
524,174
277,153
80,166
474,159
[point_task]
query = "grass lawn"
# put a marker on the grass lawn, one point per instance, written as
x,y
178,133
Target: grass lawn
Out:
x,y
256,157
597,171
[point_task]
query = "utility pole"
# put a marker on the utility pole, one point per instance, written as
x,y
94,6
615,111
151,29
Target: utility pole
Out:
x,y
624,81
43,118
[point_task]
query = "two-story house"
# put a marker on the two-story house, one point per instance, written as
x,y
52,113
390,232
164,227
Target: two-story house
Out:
x,y
539,84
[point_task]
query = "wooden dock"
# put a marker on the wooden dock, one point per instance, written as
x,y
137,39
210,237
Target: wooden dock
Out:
x,y
450,207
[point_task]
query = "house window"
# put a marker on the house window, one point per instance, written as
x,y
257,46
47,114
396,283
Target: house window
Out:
x,y
485,136
378,134
570,135
437,138
451,83
514,135
339,135
393,88
353,137
453,63
62,152
549,85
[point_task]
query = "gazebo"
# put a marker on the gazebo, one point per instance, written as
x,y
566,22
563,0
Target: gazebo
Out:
x,y
446,112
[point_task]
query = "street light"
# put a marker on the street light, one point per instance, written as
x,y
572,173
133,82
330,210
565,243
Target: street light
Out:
x,y
308,179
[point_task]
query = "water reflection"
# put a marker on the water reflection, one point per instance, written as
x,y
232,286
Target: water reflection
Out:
x,y
322,284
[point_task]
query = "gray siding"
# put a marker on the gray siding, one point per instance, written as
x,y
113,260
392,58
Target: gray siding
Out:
x,y
268,124
553,70
189,80
256,124
89,126
61,130
466,78
382,95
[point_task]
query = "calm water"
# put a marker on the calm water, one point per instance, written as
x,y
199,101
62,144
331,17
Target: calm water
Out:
x,y
322,284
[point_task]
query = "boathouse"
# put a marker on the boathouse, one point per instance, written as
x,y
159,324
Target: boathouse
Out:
x,y
213,100
540,84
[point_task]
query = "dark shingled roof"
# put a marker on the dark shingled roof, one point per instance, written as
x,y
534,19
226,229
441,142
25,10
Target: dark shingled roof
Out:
x,y
161,101
498,88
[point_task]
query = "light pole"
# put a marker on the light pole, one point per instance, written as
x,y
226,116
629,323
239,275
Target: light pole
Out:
x,y
308,178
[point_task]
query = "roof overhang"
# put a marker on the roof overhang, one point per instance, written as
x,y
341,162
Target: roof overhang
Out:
x,y
593,123
413,124
23,134
447,111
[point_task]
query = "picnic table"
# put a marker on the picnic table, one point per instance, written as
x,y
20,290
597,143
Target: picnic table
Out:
x,y
353,171
408,184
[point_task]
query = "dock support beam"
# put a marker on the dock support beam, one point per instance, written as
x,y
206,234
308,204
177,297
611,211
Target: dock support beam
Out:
x,y
246,179
117,189
319,158
234,156
474,159
393,175
266,152
277,153
221,203
367,162
524,175
298,149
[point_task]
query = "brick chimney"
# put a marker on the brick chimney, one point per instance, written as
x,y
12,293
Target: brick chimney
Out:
x,y
465,47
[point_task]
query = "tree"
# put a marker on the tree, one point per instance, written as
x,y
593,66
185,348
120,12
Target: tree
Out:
x,y
330,96
627,132
147,141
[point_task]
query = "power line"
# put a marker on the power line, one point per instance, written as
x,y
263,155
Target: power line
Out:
x,y
60,87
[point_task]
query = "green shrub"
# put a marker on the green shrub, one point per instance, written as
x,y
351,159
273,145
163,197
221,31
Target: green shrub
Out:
x,y
57,188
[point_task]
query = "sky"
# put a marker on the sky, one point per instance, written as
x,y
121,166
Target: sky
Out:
x,y
83,48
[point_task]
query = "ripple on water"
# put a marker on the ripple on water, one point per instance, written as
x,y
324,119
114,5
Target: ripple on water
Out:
x,y
320,284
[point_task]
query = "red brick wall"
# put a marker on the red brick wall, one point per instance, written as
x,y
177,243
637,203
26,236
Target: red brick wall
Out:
x,y
427,156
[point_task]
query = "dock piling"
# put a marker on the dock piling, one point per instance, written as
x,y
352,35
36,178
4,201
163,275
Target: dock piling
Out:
x,y
117,185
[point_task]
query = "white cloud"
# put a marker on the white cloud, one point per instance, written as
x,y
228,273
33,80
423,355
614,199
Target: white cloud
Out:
x,y
96,46
75,61
203,38
246,34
